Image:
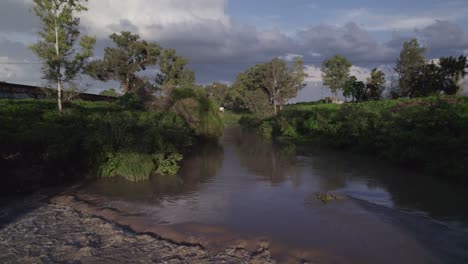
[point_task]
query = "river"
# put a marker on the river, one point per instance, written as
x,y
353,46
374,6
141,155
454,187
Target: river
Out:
x,y
253,188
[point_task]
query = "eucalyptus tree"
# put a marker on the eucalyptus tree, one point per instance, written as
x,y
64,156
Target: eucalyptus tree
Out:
x,y
265,88
408,65
336,73
58,41
282,83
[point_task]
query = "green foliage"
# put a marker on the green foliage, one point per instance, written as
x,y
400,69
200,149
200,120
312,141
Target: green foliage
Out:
x,y
375,84
428,133
122,62
137,166
173,70
100,137
131,101
419,79
58,36
452,71
219,92
230,118
168,163
335,72
200,113
265,88
426,81
131,166
131,56
408,64
355,89
436,78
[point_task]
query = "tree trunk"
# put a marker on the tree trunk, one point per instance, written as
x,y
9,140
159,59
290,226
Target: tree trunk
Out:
x,y
59,95
59,77
274,94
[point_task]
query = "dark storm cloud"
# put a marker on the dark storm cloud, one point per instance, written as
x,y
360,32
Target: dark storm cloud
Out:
x,y
349,40
17,16
444,38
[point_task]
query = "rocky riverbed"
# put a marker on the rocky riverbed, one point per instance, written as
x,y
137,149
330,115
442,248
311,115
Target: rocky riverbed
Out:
x,y
52,233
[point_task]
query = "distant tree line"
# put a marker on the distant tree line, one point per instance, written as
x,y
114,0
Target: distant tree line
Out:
x,y
416,76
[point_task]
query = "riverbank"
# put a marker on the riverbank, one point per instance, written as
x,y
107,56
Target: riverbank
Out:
x,y
40,147
429,134
56,233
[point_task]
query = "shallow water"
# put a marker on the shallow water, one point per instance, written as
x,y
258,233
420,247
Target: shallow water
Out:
x,y
251,186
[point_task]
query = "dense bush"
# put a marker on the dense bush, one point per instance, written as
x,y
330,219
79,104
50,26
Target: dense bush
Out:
x,y
105,139
199,112
430,133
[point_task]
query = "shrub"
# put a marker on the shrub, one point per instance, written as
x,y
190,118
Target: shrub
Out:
x,y
131,166
427,133
200,113
88,138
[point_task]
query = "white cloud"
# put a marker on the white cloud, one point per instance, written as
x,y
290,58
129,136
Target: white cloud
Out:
x,y
152,17
349,40
314,74
361,73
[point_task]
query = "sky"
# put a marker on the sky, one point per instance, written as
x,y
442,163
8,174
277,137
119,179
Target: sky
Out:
x,y
222,38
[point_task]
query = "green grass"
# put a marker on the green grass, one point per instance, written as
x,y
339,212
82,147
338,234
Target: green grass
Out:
x,y
230,118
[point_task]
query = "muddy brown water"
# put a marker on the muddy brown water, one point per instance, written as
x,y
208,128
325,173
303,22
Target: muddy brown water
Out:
x,y
247,188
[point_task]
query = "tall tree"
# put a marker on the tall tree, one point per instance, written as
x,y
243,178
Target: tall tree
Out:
x,y
123,62
355,89
265,88
248,95
174,70
376,84
57,44
452,70
282,83
408,65
335,73
427,81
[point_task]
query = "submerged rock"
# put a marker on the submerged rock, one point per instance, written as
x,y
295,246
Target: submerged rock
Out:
x,y
328,197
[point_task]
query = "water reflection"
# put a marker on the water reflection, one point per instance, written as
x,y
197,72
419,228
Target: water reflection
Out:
x,y
267,161
195,170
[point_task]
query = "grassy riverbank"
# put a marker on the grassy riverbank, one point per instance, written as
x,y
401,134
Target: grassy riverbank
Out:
x,y
430,134
39,146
